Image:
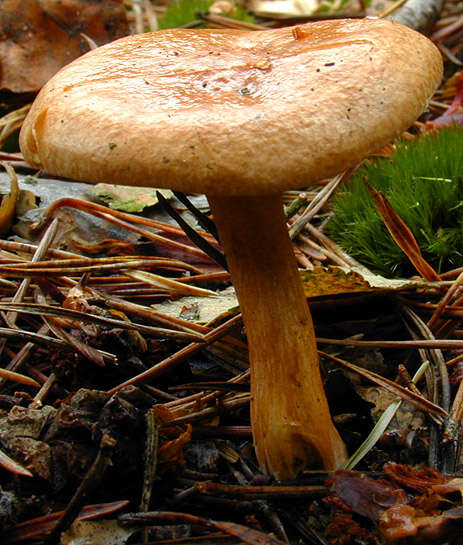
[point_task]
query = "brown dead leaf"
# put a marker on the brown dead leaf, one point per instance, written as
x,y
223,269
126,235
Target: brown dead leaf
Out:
x,y
328,281
353,491
171,452
103,532
402,235
38,37
401,518
128,198
20,432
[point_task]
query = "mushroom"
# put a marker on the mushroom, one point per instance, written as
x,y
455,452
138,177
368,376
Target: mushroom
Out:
x,y
242,116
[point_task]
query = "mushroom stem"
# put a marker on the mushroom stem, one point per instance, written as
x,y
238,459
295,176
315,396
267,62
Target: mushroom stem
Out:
x,y
290,418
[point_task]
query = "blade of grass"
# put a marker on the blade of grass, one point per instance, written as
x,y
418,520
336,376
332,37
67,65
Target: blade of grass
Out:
x,y
381,425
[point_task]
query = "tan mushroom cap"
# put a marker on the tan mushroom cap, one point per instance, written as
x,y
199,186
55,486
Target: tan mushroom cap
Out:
x,y
232,112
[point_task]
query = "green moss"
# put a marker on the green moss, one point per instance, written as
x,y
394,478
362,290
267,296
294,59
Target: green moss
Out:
x,y
424,184
182,12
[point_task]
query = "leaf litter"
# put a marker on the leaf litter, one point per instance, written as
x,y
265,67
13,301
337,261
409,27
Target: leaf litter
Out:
x,y
78,433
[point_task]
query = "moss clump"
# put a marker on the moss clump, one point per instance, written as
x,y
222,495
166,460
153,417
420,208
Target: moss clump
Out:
x,y
183,12
424,184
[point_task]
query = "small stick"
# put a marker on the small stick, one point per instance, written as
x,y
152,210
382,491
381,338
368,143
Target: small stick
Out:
x,y
91,481
250,492
42,249
151,458
43,392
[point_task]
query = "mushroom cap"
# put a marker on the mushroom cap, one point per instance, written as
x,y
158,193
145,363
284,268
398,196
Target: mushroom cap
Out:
x,y
229,112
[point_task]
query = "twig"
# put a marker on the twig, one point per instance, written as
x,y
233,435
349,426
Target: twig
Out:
x,y
43,392
151,458
42,249
249,492
91,480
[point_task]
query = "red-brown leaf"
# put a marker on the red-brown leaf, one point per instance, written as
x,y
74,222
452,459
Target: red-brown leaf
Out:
x,y
38,37
402,235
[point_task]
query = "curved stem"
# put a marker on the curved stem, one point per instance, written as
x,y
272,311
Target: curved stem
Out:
x,y
290,418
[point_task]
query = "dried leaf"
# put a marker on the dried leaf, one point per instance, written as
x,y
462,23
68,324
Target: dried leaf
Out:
x,y
354,491
38,37
103,532
399,517
35,455
20,433
323,281
171,452
206,308
450,487
128,199
402,235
